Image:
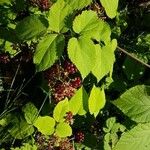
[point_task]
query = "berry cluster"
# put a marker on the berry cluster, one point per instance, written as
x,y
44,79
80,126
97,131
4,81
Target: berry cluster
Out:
x,y
65,145
52,142
69,118
63,80
4,58
43,5
79,137
40,140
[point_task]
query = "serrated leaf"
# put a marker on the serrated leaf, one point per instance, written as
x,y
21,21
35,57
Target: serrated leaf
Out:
x,y
135,139
60,110
96,100
87,23
58,12
48,51
30,113
78,4
63,130
105,60
20,129
84,106
31,26
133,74
105,33
77,100
110,7
135,103
45,125
82,53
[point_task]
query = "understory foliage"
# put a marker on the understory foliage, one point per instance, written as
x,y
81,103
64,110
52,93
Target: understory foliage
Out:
x,y
74,74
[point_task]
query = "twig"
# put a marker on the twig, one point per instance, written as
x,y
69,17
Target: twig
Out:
x,y
135,58
12,83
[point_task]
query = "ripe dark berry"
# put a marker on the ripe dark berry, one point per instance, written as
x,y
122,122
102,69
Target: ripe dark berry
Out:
x,y
79,137
62,90
44,4
69,118
39,138
69,67
53,74
76,83
65,144
4,58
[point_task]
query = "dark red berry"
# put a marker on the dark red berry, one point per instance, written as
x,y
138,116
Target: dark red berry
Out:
x,y
65,144
4,58
69,67
53,74
79,137
69,117
76,83
44,4
62,90
39,138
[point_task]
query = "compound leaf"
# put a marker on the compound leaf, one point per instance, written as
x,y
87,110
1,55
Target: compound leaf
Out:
x,y
31,26
60,110
30,113
63,130
45,125
135,139
58,12
48,51
135,103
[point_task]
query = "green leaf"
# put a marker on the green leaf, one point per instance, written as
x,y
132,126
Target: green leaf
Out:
x,y
49,50
26,146
109,124
110,7
8,2
58,12
135,139
31,26
88,23
20,128
133,74
84,106
96,100
105,60
63,130
77,101
30,113
135,103
3,122
45,125
78,4
60,110
82,53
8,34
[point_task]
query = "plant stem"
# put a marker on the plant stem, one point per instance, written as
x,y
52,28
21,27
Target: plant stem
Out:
x,y
135,58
